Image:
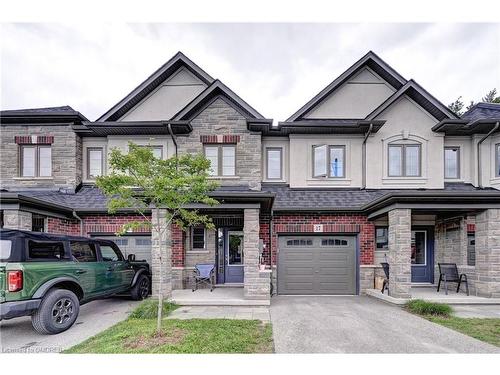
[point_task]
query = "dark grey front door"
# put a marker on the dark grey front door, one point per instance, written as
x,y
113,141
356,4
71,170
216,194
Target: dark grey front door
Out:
x,y
317,265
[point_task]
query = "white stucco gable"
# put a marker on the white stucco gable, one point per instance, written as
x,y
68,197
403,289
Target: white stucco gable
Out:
x,y
355,99
168,98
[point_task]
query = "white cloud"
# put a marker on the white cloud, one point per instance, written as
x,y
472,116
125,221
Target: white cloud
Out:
x,y
274,67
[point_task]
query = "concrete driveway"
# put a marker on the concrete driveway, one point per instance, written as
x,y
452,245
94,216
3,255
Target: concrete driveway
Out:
x,y
18,336
360,324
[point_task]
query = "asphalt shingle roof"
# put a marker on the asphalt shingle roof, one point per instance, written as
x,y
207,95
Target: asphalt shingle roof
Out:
x,y
483,111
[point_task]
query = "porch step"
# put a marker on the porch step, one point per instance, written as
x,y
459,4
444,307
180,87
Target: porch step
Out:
x,y
229,285
450,299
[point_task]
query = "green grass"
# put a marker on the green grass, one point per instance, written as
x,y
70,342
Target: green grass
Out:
x,y
181,336
487,330
149,309
421,307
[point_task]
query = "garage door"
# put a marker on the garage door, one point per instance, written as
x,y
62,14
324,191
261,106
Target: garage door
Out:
x,y
317,265
138,245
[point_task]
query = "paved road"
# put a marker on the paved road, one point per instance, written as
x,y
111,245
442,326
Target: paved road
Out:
x,y
360,325
17,335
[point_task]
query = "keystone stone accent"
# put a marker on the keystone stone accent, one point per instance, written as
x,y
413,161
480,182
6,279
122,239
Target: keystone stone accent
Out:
x,y
161,256
400,253
488,253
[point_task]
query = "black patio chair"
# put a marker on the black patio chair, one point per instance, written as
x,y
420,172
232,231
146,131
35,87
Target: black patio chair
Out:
x,y
448,272
204,274
385,284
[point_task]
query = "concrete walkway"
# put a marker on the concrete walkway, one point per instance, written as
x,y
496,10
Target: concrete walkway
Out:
x,y
477,311
360,324
18,336
221,312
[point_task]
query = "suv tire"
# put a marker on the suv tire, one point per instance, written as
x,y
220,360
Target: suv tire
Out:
x,y
57,312
140,290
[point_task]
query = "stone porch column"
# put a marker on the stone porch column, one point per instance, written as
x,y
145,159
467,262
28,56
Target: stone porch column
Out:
x,y
399,258
256,284
15,219
161,245
488,253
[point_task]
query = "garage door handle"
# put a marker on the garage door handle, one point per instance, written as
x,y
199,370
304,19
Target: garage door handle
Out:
x,y
79,272
316,271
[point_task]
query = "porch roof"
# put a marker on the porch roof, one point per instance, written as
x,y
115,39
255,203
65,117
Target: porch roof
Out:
x,y
454,196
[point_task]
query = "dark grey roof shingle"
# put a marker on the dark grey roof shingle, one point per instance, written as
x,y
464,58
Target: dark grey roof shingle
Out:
x,y
483,111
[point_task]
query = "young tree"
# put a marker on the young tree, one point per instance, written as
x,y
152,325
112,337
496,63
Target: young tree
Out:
x,y
491,97
144,183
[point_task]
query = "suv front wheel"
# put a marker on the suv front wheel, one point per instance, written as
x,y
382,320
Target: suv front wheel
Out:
x,y
140,290
57,312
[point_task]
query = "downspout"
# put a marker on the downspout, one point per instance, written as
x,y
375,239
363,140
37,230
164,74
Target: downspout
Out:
x,y
81,222
174,139
363,156
479,179
271,248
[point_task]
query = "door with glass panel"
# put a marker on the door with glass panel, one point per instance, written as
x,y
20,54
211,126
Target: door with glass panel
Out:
x,y
422,255
230,256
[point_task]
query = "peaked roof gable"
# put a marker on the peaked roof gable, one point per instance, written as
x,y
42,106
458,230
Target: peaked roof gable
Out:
x,y
217,88
152,82
373,62
421,96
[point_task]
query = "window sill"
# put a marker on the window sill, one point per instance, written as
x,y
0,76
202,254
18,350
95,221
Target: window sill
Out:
x,y
32,178
194,252
224,177
340,181
404,180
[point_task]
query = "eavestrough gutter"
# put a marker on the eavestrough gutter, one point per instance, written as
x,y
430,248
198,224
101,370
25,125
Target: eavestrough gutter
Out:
x,y
479,177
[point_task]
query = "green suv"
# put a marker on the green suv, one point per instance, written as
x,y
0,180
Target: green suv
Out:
x,y
49,276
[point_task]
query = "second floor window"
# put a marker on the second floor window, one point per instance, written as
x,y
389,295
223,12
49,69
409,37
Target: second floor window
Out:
x,y
273,159
497,158
36,161
451,162
94,162
404,160
222,160
328,161
157,151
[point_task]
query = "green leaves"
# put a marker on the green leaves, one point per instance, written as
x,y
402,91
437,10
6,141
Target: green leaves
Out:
x,y
138,181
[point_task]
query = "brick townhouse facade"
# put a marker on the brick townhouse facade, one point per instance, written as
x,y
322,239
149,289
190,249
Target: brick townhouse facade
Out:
x,y
372,169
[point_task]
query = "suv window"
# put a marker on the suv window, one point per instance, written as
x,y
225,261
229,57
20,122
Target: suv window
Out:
x,y
83,251
109,254
5,248
50,251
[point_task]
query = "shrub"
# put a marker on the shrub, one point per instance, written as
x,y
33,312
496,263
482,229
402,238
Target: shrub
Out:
x,y
149,309
421,307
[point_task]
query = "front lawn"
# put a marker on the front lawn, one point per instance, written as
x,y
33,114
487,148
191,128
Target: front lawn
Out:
x,y
487,330
181,336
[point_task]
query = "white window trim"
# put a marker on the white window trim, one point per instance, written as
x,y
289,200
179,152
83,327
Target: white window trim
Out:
x,y
274,148
36,162
459,162
220,147
328,175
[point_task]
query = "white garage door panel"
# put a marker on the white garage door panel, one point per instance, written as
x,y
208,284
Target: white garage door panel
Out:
x,y
138,245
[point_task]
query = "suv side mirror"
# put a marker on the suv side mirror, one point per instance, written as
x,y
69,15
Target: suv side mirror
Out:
x,y
131,257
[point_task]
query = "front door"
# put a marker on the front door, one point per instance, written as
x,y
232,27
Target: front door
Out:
x,y
422,255
230,256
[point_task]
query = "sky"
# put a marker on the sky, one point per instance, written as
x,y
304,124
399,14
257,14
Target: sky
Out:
x,y
276,68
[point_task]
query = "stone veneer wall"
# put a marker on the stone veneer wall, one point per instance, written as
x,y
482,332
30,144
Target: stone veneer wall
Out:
x,y
400,252
488,253
220,118
66,157
15,219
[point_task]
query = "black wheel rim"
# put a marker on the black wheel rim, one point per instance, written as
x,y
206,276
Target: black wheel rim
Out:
x,y
62,311
144,288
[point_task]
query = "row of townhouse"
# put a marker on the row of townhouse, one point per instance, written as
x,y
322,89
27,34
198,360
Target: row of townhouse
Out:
x,y
373,168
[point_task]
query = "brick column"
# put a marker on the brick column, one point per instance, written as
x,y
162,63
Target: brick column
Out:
x,y
400,253
161,245
256,284
15,219
488,253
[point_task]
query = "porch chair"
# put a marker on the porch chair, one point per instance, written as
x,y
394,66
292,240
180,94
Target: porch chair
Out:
x,y
448,272
385,284
204,274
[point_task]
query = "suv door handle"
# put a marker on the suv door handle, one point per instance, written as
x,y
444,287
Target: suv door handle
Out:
x,y
79,272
